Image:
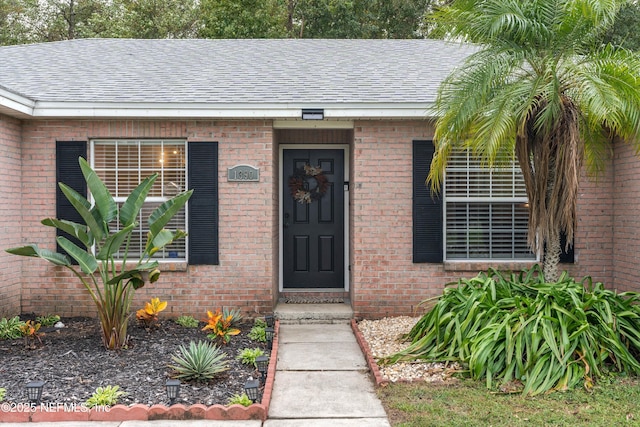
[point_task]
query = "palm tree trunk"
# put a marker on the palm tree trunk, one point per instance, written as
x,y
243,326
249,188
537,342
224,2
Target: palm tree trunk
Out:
x,y
552,258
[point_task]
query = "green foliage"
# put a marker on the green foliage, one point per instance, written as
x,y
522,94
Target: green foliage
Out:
x,y
3,393
538,67
240,399
248,356
257,332
109,229
220,327
11,328
519,331
187,321
200,362
48,320
105,396
234,315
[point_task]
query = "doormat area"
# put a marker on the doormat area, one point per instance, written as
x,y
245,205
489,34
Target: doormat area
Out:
x,y
311,300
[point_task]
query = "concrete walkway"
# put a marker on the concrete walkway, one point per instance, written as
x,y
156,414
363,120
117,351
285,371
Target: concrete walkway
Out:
x,y
321,380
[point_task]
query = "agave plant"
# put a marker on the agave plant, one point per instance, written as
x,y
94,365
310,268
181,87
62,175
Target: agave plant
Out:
x,y
111,284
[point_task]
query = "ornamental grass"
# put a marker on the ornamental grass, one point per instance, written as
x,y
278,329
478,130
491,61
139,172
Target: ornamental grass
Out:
x,y
519,333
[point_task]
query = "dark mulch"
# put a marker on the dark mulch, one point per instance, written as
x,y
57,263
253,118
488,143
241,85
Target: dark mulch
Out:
x,y
73,362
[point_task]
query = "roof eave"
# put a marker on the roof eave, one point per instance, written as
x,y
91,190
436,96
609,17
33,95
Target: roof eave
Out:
x,y
15,105
338,111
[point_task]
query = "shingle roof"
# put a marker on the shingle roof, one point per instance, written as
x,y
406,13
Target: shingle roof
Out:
x,y
220,72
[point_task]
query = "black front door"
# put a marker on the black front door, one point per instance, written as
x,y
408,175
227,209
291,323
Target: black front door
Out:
x,y
313,218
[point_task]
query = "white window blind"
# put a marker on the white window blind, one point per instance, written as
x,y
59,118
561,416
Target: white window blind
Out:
x,y
486,214
123,164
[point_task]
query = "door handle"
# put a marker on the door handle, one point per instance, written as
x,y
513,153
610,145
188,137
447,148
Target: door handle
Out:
x,y
286,220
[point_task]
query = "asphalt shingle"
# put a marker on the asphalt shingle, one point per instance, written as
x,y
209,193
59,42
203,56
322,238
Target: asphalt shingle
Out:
x,y
258,71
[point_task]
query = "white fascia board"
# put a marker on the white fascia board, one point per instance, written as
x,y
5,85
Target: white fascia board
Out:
x,y
227,111
16,105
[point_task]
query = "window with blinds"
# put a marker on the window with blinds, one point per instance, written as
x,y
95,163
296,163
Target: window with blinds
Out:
x,y
486,214
123,164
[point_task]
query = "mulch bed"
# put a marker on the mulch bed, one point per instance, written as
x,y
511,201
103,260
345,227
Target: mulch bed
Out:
x,y
73,362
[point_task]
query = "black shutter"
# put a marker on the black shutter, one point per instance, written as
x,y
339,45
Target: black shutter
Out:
x,y
566,257
427,209
203,205
68,172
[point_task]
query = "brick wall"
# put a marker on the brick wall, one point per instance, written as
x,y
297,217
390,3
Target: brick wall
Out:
x,y
385,281
10,215
244,279
626,219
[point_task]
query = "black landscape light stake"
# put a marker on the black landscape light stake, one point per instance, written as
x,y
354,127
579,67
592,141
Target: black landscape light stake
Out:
x,y
34,391
173,390
268,319
262,362
252,388
268,334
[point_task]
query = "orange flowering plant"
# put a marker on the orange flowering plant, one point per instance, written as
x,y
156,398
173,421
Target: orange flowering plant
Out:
x,y
220,327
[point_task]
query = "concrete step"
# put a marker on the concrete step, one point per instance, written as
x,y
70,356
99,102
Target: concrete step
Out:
x,y
295,314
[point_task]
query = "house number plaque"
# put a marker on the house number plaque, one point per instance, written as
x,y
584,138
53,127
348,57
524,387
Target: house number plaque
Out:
x,y
243,173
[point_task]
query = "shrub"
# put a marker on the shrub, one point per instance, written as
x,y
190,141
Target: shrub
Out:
x,y
11,328
29,331
3,393
220,327
519,330
257,332
149,314
48,320
200,362
187,321
105,396
248,356
101,241
240,399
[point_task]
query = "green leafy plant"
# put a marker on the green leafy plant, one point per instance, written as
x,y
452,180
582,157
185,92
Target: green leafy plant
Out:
x,y
220,327
187,321
107,233
149,314
199,362
29,331
248,356
518,332
48,320
257,332
234,314
105,396
10,328
240,399
3,393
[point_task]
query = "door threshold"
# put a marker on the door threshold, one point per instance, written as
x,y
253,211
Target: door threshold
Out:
x,y
311,290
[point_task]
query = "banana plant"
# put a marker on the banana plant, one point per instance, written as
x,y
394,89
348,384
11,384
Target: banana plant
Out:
x,y
110,282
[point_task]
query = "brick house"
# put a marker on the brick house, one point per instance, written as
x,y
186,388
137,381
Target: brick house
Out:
x,y
235,120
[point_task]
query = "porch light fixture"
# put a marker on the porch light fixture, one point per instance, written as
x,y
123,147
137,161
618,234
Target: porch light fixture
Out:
x,y
173,390
34,391
268,334
262,362
252,388
268,319
312,114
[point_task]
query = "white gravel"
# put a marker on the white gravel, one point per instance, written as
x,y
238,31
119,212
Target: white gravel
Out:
x,y
384,339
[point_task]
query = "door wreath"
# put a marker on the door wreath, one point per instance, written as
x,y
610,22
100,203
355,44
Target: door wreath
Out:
x,y
299,184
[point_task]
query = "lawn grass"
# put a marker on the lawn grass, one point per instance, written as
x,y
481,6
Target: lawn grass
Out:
x,y
469,403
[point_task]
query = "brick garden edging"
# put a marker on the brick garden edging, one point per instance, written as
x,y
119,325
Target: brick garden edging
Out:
x,y
373,366
139,412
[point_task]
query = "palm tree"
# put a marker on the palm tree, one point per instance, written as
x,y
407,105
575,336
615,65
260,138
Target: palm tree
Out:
x,y
541,87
